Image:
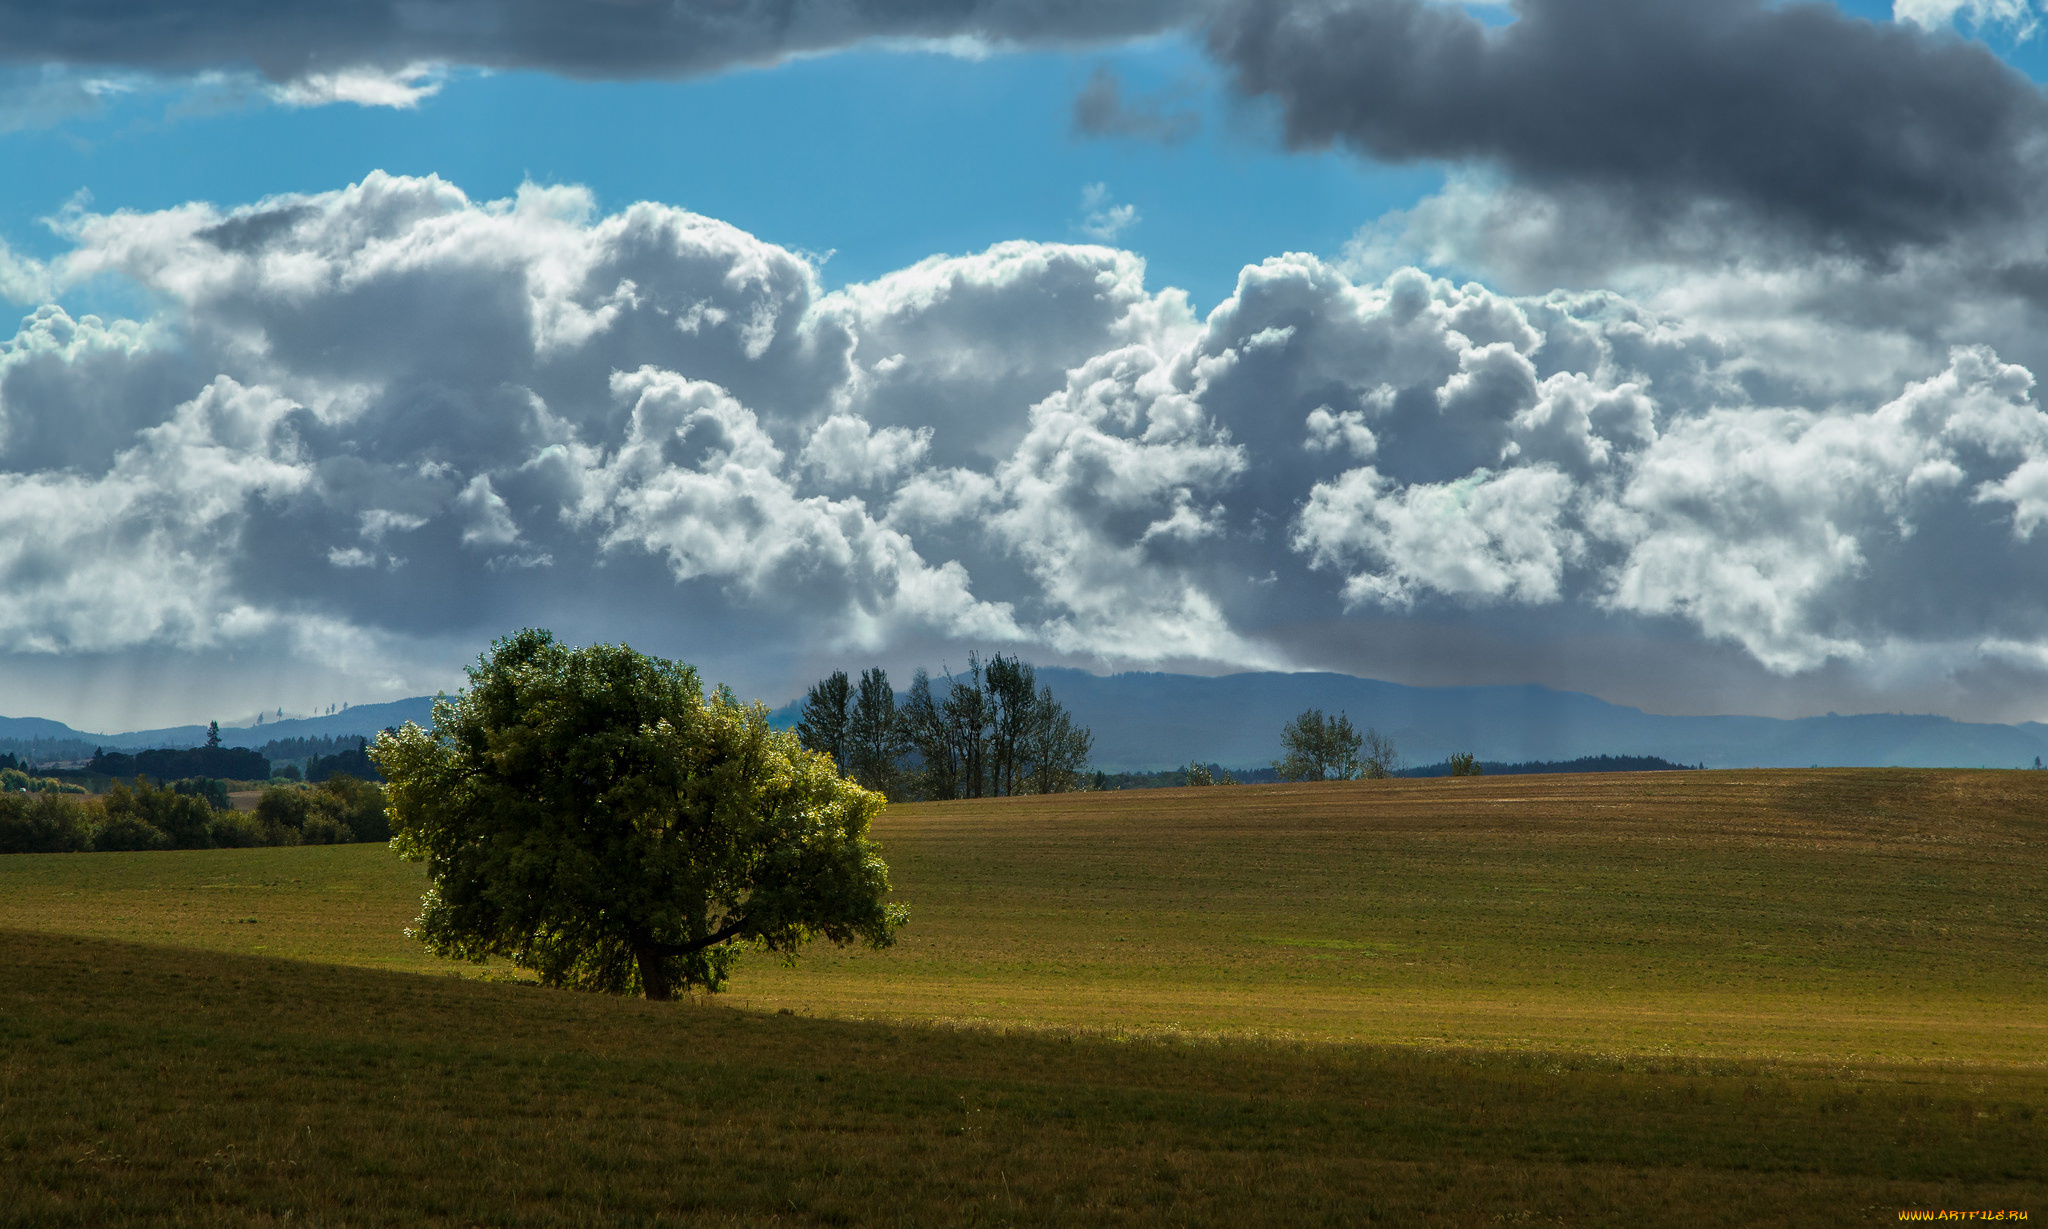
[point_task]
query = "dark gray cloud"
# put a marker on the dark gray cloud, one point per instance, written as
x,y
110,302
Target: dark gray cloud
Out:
x,y
288,40
1102,110
1853,134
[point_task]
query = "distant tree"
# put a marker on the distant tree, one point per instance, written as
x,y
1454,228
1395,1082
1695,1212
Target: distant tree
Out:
x,y
938,769
874,736
1463,764
351,761
43,823
212,735
180,818
1377,758
125,823
1318,748
1199,774
590,815
283,812
825,718
995,733
353,804
1059,749
210,790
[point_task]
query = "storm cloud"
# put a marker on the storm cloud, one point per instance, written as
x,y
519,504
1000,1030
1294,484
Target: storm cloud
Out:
x,y
351,44
1854,135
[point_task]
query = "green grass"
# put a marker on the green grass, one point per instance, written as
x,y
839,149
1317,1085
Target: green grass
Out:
x,y
139,1084
1822,915
1724,998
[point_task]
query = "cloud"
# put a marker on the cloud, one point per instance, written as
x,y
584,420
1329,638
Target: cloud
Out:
x,y
401,88
2016,16
370,51
367,429
1105,220
1665,116
1101,110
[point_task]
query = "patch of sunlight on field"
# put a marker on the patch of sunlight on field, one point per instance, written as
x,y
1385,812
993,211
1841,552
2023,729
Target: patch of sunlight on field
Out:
x,y
1834,914
341,904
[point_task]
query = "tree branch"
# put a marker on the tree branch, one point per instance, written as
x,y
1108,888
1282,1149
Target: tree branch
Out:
x,y
731,930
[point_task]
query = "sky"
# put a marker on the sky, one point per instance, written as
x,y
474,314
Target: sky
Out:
x,y
1681,352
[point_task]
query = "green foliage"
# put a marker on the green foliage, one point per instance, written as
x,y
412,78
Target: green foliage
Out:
x,y
823,728
236,830
1319,748
191,814
991,733
994,734
1207,774
591,816
132,814
212,790
15,781
128,830
875,738
1323,748
353,804
341,810
283,812
44,823
1464,764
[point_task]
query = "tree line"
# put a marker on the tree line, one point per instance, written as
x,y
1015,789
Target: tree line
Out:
x,y
191,814
990,732
322,757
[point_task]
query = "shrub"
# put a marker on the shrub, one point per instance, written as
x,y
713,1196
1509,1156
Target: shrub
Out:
x,y
211,790
283,812
355,804
179,817
321,829
129,831
235,830
43,823
15,781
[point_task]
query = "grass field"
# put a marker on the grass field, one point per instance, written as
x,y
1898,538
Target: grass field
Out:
x,y
1724,998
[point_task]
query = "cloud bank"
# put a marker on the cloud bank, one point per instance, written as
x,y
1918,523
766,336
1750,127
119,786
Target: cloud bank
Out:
x,y
354,41
371,424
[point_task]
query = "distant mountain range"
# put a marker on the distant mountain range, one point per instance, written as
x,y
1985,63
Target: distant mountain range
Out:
x,y
42,738
1147,722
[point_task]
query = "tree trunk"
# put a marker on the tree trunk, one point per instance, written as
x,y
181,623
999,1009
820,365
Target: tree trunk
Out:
x,y
654,980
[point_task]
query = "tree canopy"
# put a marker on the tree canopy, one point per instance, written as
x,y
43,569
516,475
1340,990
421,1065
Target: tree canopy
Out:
x,y
1319,748
591,815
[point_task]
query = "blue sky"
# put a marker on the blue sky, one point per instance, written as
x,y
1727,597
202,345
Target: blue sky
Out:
x,y
879,157
1678,352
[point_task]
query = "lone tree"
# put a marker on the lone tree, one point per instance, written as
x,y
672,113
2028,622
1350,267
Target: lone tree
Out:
x,y
1321,748
590,815
1318,748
